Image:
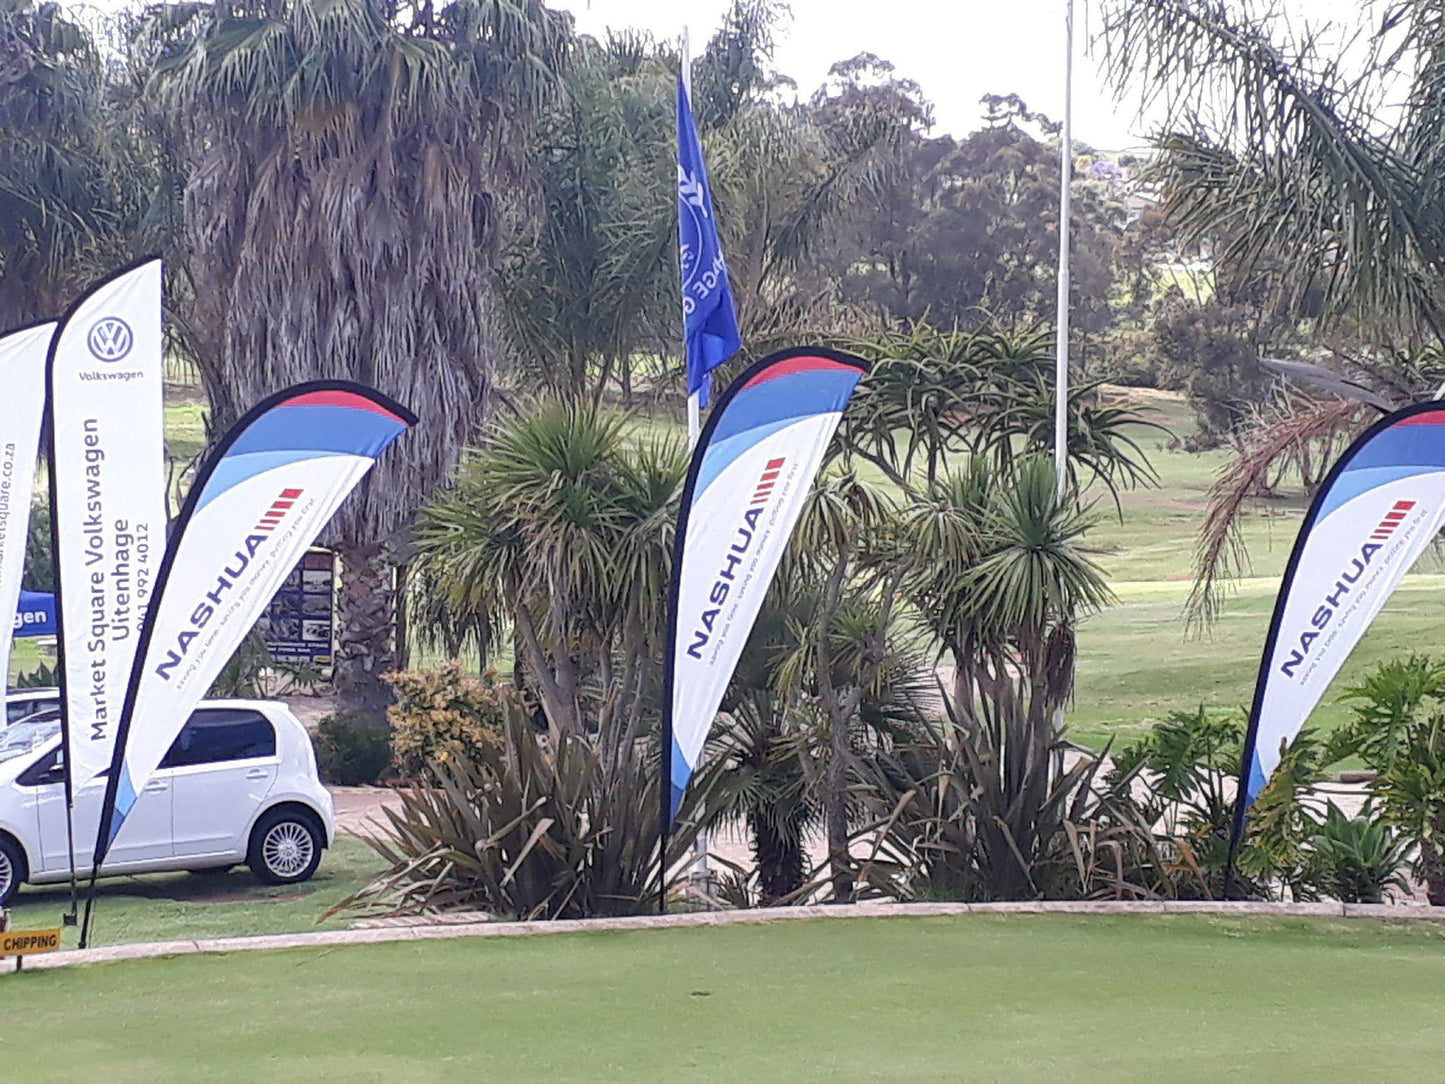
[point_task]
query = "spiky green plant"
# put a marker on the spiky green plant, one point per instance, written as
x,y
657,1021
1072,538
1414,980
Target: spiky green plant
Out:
x,y
1398,729
1357,859
533,829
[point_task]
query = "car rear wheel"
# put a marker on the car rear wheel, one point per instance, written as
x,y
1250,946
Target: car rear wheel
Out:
x,y
285,848
12,870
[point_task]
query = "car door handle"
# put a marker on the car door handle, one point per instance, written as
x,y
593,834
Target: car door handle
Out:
x,y
258,773
155,786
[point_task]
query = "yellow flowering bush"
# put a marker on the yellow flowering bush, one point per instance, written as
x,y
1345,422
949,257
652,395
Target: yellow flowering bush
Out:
x,y
439,714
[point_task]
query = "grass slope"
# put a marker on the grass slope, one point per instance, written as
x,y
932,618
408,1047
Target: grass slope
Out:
x,y
977,997
181,906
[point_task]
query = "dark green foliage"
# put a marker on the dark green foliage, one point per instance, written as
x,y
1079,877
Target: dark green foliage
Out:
x,y
352,749
39,560
1357,859
531,829
563,521
948,827
1211,352
42,677
969,227
985,392
79,185
244,672
1399,731
1181,776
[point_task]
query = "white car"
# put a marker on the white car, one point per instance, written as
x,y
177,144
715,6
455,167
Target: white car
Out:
x,y
238,785
22,703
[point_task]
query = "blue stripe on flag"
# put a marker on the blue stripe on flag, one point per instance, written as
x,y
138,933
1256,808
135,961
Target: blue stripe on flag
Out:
x,y
681,776
124,802
335,429
796,395
235,469
1354,482
720,456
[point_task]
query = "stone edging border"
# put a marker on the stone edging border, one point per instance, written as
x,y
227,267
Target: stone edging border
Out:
x,y
424,931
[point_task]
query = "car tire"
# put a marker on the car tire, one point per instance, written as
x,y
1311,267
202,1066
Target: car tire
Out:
x,y
286,847
12,870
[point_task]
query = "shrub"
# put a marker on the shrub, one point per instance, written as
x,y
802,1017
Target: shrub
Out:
x,y
1357,859
1398,729
440,715
42,677
352,749
946,831
531,828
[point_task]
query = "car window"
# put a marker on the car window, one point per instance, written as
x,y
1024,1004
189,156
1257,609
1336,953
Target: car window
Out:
x,y
20,709
17,739
217,735
43,771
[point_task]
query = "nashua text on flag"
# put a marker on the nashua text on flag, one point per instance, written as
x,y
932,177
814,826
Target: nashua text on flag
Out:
x,y
751,473
710,323
1378,510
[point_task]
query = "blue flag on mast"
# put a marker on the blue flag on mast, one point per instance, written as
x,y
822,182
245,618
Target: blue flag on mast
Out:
x,y
710,322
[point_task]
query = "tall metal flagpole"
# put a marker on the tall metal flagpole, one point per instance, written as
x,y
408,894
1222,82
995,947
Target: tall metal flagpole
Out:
x,y
694,399
694,426
1061,341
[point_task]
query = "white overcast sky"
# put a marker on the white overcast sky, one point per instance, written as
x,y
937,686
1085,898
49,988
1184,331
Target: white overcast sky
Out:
x,y
957,50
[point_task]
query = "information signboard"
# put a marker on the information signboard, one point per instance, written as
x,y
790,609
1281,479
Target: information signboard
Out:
x,y
298,625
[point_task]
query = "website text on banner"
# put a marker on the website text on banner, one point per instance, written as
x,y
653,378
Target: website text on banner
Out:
x,y
22,374
108,501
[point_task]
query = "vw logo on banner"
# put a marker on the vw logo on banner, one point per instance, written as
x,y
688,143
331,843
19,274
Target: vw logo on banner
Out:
x,y
110,339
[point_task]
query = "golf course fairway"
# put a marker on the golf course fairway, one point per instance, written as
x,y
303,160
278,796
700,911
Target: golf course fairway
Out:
x,y
971,997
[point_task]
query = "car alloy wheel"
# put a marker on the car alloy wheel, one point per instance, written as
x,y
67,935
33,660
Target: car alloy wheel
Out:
x,y
287,849
7,874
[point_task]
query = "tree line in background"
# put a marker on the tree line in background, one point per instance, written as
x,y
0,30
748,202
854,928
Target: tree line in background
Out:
x,y
464,203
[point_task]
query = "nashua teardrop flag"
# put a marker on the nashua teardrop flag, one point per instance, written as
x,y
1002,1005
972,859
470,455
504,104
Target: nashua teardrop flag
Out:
x,y
258,503
106,378
1380,506
710,322
22,375
751,471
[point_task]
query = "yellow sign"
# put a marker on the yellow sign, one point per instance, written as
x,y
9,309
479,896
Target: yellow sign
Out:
x,y
28,942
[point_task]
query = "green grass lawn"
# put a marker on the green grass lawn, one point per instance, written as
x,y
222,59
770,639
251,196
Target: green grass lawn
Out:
x,y
1136,665
181,906
980,997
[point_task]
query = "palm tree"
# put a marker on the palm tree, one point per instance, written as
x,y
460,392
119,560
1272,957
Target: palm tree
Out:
x,y
349,164
1289,153
997,575
1312,160
593,285
76,181
562,524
